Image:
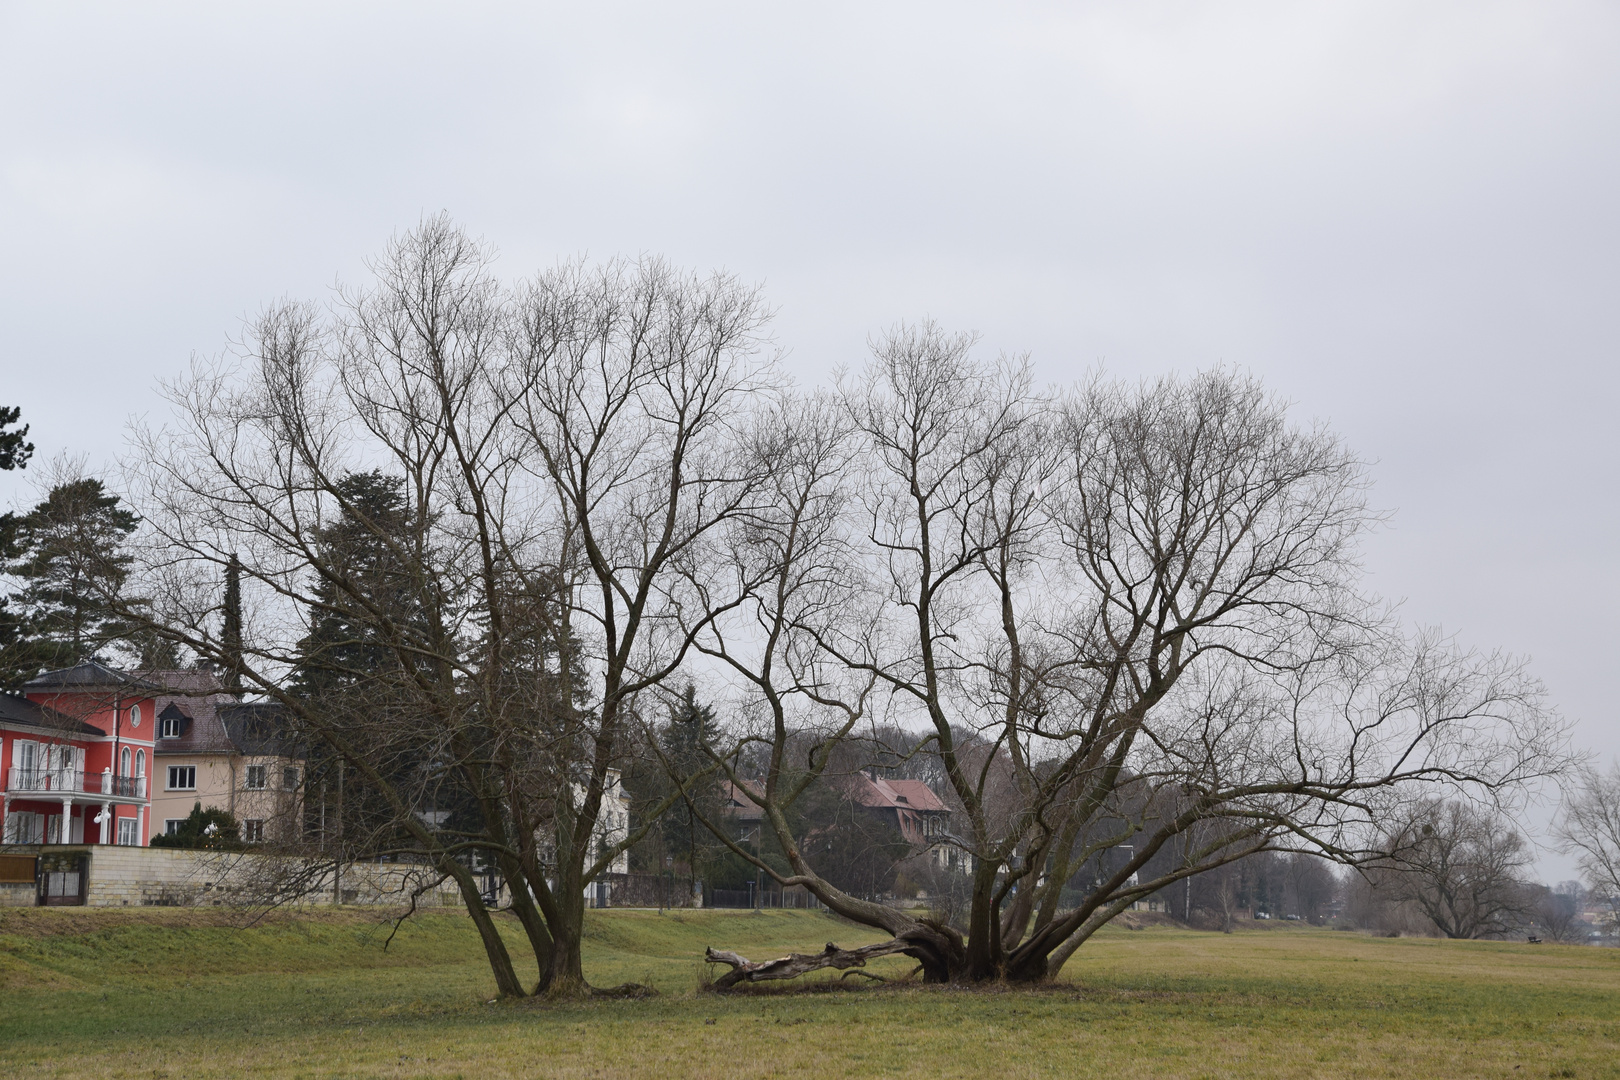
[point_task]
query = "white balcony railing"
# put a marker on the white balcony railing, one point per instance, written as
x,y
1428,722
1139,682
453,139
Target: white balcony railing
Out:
x,y
69,782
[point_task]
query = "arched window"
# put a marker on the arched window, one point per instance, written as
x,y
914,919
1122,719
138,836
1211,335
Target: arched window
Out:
x,y
140,763
123,762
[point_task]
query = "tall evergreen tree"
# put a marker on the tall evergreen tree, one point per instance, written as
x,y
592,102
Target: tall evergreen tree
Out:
x,y
347,664
231,633
692,726
14,453
342,648
70,560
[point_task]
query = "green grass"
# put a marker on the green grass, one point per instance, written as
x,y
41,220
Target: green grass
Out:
x,y
179,993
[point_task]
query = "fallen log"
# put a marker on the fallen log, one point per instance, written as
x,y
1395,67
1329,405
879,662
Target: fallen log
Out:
x,y
795,964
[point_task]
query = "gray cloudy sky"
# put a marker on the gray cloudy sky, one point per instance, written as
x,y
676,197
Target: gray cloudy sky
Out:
x,y
1403,216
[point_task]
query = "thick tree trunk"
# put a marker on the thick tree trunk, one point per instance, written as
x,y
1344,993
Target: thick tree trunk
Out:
x,y
565,975
984,954
500,961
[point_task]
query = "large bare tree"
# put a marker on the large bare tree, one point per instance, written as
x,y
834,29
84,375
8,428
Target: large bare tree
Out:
x,y
1128,619
476,631
1461,865
1589,828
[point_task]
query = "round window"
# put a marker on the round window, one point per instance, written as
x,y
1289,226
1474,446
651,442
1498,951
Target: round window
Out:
x,y
134,716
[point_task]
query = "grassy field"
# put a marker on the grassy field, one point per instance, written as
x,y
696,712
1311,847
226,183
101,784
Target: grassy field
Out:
x,y
180,993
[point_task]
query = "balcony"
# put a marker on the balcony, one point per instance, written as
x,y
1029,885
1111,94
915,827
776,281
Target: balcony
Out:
x,y
66,783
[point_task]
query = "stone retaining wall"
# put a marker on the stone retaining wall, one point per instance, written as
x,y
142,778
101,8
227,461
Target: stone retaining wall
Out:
x,y
135,877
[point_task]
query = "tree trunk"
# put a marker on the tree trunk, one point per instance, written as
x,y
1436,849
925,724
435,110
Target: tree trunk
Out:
x,y
564,976
793,965
984,955
523,905
500,961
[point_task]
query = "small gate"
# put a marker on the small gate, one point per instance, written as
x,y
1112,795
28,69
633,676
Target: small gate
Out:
x,y
63,877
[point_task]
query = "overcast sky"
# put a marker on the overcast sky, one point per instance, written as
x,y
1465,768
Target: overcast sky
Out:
x,y
1404,217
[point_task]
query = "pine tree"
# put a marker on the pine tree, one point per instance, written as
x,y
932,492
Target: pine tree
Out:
x,y
69,557
343,646
14,454
692,726
14,451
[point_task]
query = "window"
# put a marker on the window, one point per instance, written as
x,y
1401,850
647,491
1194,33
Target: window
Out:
x,y
140,763
171,727
253,830
172,825
182,778
255,778
126,832
134,716
289,778
25,828
124,759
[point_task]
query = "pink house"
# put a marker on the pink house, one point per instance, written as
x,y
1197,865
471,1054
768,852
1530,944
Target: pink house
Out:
x,y
75,753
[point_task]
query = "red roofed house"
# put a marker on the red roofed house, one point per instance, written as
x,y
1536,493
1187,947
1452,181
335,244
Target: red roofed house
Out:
x,y
909,805
75,752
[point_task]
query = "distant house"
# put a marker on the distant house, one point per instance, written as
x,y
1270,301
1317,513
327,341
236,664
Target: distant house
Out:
x,y
75,748
220,752
911,807
91,754
613,822
612,826
743,812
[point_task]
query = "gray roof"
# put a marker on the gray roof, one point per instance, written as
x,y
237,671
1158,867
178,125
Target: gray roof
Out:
x,y
219,724
259,727
21,711
84,676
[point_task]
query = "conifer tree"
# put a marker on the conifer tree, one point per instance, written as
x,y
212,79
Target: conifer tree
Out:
x,y
14,453
231,633
70,560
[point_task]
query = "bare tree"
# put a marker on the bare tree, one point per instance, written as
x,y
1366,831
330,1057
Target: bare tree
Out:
x,y
1462,866
1557,911
1127,620
1590,829
459,514
630,387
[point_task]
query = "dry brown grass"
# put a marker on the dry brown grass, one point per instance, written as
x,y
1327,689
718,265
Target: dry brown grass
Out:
x,y
142,996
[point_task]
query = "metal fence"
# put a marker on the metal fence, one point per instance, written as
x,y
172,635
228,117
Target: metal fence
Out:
x,y
796,897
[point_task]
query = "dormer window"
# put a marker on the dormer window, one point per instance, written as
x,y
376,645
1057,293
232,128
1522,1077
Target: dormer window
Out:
x,y
172,722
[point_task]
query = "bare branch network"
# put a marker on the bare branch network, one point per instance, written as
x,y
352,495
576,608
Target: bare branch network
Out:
x,y
487,532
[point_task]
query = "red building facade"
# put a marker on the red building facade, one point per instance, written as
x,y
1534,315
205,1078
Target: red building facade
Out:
x,y
76,754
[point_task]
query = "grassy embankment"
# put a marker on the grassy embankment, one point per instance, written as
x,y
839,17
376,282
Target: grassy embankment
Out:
x,y
178,993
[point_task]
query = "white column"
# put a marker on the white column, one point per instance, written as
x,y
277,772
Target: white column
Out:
x,y
140,826
105,818
65,834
